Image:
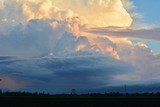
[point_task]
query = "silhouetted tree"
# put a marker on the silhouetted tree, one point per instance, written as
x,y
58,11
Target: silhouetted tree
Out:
x,y
73,91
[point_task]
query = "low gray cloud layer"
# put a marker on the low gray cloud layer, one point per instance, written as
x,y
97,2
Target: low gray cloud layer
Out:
x,y
82,72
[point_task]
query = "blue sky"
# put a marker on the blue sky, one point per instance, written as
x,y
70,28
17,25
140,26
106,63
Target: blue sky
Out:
x,y
149,9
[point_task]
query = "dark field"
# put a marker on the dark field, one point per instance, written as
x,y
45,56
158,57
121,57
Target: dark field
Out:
x,y
88,100
78,102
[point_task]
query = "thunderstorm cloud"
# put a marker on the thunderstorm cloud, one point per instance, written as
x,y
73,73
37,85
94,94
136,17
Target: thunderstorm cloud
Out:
x,y
64,44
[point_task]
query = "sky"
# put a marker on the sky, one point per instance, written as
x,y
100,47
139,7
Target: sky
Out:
x,y
57,45
149,11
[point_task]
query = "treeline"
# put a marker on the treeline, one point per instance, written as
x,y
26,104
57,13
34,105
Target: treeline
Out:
x,y
112,94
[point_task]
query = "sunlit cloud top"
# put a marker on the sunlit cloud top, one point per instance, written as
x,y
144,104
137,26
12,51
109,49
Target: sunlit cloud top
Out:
x,y
96,12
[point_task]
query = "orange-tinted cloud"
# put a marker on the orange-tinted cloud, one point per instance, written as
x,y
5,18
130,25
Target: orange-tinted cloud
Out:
x,y
96,12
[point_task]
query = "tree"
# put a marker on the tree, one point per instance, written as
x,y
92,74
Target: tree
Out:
x,y
73,91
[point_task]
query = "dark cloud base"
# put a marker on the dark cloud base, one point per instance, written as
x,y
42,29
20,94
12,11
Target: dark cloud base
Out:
x,y
51,73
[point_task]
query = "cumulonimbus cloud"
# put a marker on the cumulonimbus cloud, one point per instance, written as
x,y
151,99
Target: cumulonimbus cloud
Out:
x,y
51,41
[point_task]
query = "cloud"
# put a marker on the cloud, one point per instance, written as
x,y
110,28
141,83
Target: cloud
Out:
x,y
38,37
89,66
96,12
43,36
144,60
1,4
44,9
151,33
81,71
61,61
99,60
128,4
12,82
70,44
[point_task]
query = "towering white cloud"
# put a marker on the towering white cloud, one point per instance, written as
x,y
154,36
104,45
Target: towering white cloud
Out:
x,y
1,4
97,12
